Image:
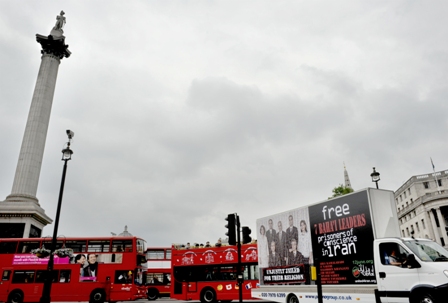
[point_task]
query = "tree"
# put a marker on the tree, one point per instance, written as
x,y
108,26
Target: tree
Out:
x,y
340,191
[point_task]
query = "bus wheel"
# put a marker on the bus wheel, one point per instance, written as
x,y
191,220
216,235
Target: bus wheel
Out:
x,y
15,297
153,294
208,295
292,299
97,296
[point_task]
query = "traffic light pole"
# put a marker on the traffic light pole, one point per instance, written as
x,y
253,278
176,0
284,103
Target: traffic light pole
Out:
x,y
233,220
239,274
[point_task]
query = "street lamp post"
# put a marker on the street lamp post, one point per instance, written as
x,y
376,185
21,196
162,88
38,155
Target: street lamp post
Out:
x,y
375,177
66,156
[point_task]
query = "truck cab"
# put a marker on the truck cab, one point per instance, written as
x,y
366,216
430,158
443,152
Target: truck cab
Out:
x,y
411,270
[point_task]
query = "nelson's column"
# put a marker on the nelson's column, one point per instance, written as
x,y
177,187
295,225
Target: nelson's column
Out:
x,y
21,214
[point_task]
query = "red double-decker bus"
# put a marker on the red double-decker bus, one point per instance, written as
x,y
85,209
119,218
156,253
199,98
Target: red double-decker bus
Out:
x,y
158,274
209,274
99,269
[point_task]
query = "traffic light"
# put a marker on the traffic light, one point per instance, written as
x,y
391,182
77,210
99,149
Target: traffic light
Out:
x,y
231,229
246,235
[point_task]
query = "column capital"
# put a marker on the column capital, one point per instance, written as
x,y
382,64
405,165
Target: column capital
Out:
x,y
54,45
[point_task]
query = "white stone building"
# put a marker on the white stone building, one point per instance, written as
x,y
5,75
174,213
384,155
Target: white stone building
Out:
x,y
422,207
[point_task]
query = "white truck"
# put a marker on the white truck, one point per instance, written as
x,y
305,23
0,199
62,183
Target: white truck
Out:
x,y
355,243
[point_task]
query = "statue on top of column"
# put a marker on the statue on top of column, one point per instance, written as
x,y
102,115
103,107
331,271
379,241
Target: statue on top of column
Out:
x,y
60,22
54,43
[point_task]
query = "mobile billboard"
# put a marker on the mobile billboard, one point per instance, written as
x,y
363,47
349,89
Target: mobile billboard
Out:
x,y
337,232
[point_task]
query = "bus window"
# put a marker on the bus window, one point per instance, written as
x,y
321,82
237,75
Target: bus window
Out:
x,y
140,246
155,254
250,272
154,278
227,273
166,279
98,246
122,245
47,244
6,275
138,277
77,246
23,276
8,247
141,260
27,246
65,276
40,275
123,276
168,254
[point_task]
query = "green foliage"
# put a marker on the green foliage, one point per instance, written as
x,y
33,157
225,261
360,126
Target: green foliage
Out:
x,y
340,191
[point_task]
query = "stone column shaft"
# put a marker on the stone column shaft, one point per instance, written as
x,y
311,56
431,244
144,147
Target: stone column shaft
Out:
x,y
434,227
442,226
31,153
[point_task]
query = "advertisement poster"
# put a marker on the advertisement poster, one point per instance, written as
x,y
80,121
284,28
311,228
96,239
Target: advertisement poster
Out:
x,y
88,264
342,238
284,247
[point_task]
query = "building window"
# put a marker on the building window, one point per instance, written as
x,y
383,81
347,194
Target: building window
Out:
x,y
404,193
439,182
415,214
412,201
423,224
426,185
396,200
401,198
407,231
407,204
402,231
409,191
416,226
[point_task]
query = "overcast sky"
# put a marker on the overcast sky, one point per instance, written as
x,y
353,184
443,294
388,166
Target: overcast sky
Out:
x,y
186,111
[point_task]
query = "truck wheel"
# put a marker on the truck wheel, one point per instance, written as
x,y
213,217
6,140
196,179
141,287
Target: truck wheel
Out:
x,y
292,299
152,294
15,297
97,296
425,298
208,295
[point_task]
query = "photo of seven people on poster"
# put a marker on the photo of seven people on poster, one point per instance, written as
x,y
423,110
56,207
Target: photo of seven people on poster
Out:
x,y
283,244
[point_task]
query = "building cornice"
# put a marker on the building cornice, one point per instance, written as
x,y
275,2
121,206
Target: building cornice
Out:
x,y
426,199
420,178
